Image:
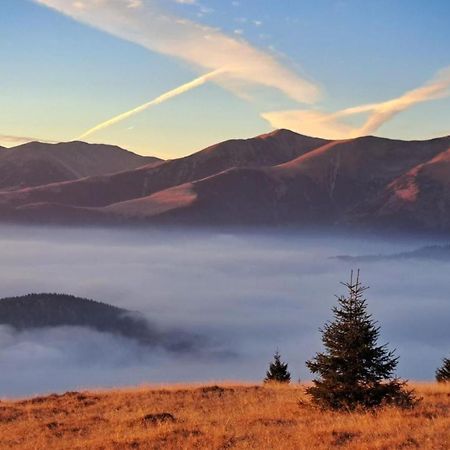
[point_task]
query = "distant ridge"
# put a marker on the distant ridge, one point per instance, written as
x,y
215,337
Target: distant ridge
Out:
x,y
276,179
37,163
430,252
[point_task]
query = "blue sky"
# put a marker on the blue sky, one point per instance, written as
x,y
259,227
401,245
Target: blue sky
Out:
x,y
319,67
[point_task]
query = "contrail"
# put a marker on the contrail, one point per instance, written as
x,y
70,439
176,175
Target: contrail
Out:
x,y
162,98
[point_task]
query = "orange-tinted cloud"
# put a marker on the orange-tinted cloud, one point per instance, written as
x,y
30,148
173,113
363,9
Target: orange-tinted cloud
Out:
x,y
332,125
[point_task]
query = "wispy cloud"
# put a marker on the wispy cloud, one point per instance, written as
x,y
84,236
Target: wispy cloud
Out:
x,y
161,99
148,24
332,125
204,47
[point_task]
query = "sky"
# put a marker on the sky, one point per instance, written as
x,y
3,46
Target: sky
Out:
x,y
169,77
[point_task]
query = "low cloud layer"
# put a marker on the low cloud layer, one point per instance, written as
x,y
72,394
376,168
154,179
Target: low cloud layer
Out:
x,y
246,294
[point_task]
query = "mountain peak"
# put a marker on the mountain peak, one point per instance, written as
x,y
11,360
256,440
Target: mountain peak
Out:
x,y
282,132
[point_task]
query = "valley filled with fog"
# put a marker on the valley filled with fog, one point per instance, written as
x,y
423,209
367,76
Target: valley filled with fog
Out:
x,y
239,295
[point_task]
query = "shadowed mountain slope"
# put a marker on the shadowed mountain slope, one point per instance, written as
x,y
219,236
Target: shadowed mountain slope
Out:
x,y
420,197
323,186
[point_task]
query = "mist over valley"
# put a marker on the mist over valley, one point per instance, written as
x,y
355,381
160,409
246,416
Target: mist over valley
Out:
x,y
235,296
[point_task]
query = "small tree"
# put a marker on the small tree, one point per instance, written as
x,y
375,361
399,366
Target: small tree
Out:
x,y
443,373
278,371
354,371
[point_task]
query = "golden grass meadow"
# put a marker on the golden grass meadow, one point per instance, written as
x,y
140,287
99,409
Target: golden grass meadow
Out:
x,y
219,416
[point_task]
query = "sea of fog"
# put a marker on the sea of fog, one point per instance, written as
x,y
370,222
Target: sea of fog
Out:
x,y
242,294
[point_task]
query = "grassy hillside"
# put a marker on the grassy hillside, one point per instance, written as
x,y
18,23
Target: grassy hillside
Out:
x,y
218,417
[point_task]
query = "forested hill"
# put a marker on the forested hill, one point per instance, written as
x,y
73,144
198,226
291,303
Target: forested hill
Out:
x,y
36,311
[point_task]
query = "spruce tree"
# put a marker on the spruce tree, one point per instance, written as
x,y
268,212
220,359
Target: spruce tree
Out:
x,y
278,371
354,371
443,373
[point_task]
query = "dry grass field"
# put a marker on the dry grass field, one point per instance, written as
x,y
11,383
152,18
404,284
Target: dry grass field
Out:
x,y
225,416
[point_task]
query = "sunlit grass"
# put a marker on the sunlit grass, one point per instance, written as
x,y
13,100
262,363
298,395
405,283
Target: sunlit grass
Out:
x,y
226,415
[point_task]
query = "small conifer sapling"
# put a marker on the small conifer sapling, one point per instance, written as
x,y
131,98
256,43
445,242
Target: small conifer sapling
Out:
x,y
278,371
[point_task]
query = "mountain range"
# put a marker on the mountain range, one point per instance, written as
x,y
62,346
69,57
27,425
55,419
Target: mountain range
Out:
x,y
277,179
